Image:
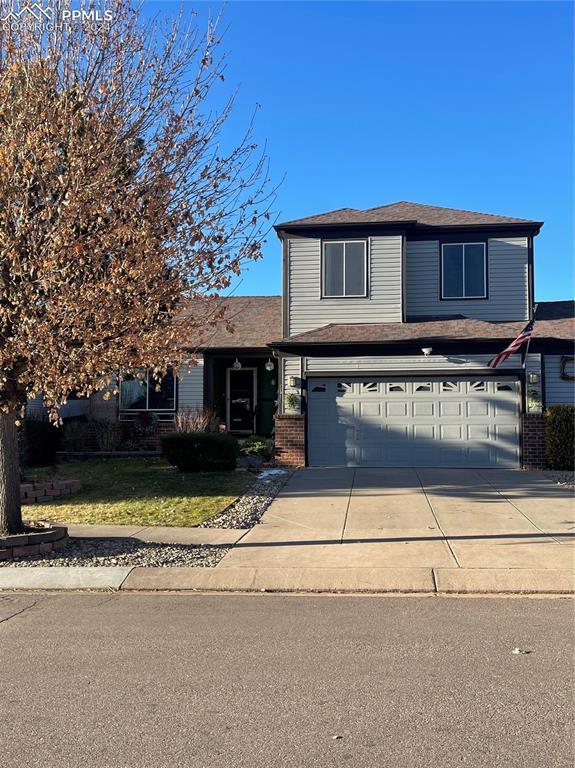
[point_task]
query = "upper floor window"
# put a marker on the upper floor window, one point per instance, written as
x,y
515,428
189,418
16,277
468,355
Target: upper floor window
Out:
x,y
344,268
463,271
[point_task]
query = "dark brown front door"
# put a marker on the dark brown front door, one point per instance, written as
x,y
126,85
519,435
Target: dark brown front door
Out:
x,y
241,400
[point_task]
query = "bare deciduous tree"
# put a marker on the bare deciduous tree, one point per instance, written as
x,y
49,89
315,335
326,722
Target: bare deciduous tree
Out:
x,y
118,202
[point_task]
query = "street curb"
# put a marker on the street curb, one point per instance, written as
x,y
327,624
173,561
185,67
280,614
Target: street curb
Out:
x,y
438,581
281,579
64,578
504,580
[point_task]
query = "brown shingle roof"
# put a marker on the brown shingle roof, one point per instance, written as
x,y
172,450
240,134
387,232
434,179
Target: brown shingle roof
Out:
x,y
403,212
256,320
554,322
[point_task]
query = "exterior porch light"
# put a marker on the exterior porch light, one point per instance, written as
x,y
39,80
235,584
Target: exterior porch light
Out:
x,y
269,366
427,351
291,381
237,366
534,378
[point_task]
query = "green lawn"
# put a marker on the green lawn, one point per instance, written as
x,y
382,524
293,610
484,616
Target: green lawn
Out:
x,y
136,492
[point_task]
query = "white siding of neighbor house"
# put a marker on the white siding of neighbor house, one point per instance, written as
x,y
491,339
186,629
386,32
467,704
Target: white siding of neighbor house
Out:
x,y
507,277
307,310
191,386
557,390
290,366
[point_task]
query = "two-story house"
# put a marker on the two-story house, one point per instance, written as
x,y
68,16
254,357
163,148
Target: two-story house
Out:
x,y
377,352
390,316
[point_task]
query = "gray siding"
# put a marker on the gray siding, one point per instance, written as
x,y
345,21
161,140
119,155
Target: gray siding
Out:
x,y
416,363
80,407
104,410
507,276
35,407
191,386
307,310
557,390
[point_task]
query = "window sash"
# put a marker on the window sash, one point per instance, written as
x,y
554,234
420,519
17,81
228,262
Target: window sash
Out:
x,y
464,294
343,295
146,382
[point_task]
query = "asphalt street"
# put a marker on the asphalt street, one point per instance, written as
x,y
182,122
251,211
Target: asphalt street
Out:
x,y
132,680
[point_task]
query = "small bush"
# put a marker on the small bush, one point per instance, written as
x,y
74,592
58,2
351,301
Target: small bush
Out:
x,y
39,441
145,424
292,402
560,437
200,451
257,446
109,435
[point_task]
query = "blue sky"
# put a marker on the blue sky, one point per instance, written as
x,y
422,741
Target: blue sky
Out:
x,y
462,104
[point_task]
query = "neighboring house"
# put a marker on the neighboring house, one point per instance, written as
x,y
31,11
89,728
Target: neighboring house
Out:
x,y
234,374
376,353
237,373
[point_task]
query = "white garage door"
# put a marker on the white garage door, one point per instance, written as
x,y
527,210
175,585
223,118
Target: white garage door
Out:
x,y
436,422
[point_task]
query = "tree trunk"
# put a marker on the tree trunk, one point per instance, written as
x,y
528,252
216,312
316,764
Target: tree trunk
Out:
x,y
10,509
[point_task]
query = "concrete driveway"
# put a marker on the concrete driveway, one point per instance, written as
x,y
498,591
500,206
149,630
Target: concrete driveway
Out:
x,y
408,518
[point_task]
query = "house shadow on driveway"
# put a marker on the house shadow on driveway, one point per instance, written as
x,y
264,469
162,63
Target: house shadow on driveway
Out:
x,y
413,518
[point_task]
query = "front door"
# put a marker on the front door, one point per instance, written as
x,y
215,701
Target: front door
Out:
x,y
241,398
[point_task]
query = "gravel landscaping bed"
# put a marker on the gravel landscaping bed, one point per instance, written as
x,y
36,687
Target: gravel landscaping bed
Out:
x,y
102,552
563,478
248,510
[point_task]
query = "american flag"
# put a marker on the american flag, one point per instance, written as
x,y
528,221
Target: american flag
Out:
x,y
515,345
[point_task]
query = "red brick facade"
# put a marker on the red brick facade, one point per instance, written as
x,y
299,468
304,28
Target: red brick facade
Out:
x,y
152,442
533,441
290,439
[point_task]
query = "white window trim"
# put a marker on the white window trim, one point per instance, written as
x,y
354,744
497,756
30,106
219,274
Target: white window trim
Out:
x,y
464,296
325,295
147,408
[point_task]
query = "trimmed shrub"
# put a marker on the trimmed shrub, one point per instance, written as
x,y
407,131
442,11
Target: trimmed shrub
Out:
x,y
39,441
257,446
560,437
200,451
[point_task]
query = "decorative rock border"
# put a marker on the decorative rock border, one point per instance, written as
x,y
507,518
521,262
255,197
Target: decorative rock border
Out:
x,y
33,542
45,491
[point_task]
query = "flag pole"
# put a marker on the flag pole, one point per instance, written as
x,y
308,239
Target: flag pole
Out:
x,y
524,386
528,342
